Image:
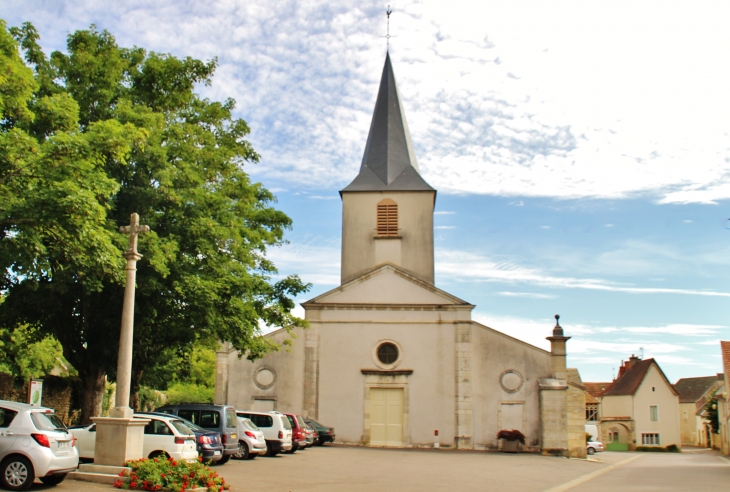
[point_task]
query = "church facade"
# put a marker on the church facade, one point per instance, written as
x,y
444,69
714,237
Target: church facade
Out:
x,y
389,358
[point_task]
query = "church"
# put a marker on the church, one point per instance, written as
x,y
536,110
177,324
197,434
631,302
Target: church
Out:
x,y
389,358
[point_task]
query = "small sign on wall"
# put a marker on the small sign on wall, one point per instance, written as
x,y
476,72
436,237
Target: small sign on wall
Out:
x,y
35,393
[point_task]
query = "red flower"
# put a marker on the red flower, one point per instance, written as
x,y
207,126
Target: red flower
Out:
x,y
133,485
118,484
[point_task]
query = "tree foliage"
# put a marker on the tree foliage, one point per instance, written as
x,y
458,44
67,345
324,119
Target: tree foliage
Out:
x,y
27,353
95,134
712,414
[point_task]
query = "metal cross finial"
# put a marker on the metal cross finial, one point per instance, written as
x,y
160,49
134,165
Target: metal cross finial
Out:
x,y
133,229
388,36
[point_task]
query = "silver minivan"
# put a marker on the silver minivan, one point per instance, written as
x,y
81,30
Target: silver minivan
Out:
x,y
34,443
276,429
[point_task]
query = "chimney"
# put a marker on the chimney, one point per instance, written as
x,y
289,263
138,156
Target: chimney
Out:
x,y
558,351
632,360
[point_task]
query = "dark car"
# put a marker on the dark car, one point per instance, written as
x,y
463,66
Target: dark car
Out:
x,y
217,418
312,435
326,434
298,433
208,442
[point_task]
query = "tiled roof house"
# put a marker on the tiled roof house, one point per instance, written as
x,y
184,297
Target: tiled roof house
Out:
x,y
640,408
693,395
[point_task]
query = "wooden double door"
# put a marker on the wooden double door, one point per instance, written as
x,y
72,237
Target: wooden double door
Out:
x,y
386,417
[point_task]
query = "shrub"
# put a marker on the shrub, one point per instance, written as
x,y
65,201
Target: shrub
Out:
x,y
160,473
511,435
187,392
672,448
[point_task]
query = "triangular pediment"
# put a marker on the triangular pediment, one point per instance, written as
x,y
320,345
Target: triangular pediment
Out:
x,y
387,285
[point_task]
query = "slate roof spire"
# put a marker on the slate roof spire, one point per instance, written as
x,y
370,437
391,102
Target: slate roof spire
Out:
x,y
389,162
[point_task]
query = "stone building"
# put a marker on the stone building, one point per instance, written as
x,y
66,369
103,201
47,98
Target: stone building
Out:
x,y
640,408
389,358
693,395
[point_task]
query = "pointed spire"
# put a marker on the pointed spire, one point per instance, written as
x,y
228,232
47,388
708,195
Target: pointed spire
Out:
x,y
389,162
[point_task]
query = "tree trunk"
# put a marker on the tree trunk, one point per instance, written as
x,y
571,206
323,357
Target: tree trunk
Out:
x,y
94,382
134,390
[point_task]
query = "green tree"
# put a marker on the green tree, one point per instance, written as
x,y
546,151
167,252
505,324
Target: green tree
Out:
x,y
27,353
157,148
712,415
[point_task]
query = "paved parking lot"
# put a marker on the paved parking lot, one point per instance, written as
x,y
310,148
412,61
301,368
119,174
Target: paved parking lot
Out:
x,y
350,468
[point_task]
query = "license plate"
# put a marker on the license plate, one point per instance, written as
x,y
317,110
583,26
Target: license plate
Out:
x,y
233,436
216,453
62,444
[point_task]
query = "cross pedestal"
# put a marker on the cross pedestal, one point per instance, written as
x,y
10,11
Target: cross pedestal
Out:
x,y
118,440
119,437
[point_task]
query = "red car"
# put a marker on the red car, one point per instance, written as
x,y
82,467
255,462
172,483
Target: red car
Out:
x,y
298,432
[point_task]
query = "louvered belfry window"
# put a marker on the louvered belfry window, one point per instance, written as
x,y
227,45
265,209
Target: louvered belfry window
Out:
x,y
387,218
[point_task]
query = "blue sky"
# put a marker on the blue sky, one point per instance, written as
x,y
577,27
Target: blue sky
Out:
x,y
581,150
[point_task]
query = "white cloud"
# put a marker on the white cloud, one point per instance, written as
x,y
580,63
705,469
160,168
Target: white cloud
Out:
x,y
498,102
675,329
451,265
445,227
529,295
444,213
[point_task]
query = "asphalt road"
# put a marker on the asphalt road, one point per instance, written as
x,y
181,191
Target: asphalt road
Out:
x,y
349,468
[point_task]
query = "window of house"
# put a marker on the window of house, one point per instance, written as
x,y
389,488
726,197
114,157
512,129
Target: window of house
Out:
x,y
650,439
387,353
592,411
387,218
654,413
613,436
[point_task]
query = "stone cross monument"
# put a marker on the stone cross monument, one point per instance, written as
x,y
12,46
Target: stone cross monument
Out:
x,y
124,363
119,437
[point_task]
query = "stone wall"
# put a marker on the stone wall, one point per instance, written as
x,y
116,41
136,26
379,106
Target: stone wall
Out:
x,y
554,416
61,394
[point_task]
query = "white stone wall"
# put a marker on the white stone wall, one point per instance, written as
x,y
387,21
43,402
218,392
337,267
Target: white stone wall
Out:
x,y
494,353
287,364
654,390
413,252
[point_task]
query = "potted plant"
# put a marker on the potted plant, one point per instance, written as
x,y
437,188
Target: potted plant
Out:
x,y
511,440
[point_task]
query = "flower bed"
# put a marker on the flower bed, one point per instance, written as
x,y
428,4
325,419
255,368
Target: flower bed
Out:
x,y
170,474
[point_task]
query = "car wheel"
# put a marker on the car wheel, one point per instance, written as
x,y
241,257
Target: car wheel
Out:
x,y
158,454
273,453
53,479
591,451
223,460
17,473
242,453
251,456
320,443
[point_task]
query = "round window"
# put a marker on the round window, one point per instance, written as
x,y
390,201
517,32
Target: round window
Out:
x,y
387,353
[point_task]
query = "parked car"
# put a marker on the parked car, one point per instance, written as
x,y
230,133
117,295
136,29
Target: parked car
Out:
x,y
298,432
251,441
594,446
164,435
217,418
326,434
208,443
276,428
34,443
312,435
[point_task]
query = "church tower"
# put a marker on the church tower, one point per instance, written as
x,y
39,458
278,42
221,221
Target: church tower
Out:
x,y
387,210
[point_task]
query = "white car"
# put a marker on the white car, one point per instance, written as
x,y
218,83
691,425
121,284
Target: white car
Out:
x,y
33,443
251,441
276,429
162,436
594,447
